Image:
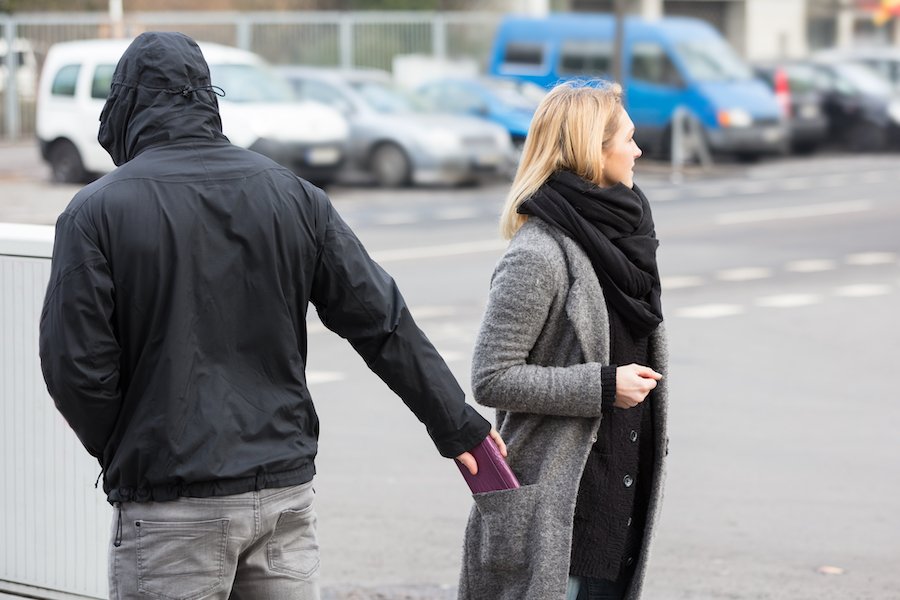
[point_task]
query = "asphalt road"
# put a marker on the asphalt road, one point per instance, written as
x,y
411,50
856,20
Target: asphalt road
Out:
x,y
781,282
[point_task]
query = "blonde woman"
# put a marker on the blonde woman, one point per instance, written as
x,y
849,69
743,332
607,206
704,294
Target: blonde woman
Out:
x,y
572,353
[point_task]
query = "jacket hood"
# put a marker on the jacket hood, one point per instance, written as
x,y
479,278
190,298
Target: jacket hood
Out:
x,y
160,93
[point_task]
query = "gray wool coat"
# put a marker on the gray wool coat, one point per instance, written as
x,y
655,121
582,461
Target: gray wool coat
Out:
x,y
537,360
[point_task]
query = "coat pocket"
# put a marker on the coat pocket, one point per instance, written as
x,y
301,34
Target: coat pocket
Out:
x,y
507,518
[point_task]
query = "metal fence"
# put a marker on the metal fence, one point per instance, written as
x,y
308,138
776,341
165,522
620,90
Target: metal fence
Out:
x,y
365,39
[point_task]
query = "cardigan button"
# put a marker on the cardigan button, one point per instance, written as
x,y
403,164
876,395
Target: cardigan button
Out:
x,y
629,561
628,481
633,436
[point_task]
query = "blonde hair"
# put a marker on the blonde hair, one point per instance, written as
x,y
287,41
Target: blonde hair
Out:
x,y
571,127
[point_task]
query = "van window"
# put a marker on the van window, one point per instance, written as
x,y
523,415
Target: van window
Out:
x,y
102,80
250,83
651,63
65,80
19,60
586,58
523,54
712,59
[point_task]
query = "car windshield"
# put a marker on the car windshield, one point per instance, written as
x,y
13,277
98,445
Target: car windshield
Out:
x,y
712,60
516,94
385,98
250,83
863,79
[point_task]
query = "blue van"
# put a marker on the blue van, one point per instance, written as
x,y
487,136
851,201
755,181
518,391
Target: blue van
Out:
x,y
667,63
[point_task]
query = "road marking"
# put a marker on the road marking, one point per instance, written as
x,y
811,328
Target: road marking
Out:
x,y
744,274
863,290
439,251
712,192
873,177
396,219
316,377
793,212
709,311
798,183
813,265
867,259
752,187
681,281
789,300
456,214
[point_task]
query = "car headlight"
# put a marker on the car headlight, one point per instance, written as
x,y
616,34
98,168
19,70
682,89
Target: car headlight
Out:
x,y
894,111
735,117
441,140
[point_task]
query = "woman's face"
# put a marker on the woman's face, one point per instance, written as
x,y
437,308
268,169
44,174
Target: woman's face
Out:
x,y
620,154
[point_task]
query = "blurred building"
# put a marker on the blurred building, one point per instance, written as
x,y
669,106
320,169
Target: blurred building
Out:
x,y
767,29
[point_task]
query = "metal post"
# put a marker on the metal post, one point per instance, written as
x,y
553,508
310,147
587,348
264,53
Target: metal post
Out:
x,y
346,37
439,37
244,33
619,41
11,110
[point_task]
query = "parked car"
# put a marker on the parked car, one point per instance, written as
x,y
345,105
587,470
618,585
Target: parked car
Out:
x,y
259,111
862,109
667,63
883,59
799,92
396,139
507,102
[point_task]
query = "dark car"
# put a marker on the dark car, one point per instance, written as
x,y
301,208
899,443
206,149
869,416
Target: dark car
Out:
x,y
797,89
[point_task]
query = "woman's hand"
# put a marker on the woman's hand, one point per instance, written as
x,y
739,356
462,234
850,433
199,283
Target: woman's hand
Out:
x,y
633,383
468,460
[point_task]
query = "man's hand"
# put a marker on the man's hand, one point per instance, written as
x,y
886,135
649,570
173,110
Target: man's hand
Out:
x,y
469,461
633,383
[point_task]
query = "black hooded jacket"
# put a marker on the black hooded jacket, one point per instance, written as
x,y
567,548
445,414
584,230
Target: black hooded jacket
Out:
x,y
173,337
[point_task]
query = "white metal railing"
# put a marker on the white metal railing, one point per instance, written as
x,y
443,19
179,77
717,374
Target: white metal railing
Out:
x,y
329,39
54,525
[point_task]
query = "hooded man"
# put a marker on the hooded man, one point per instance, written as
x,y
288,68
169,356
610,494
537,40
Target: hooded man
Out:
x,y
173,340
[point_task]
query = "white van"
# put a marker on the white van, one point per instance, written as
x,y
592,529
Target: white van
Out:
x,y
259,111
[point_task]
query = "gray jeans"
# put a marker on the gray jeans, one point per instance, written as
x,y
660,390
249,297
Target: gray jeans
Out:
x,y
257,545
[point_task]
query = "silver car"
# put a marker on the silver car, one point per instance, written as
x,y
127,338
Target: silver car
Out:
x,y
393,136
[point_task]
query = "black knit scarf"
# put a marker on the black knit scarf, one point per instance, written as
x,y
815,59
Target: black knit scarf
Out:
x,y
615,228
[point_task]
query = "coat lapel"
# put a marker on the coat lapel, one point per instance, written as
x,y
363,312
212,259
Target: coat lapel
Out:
x,y
585,305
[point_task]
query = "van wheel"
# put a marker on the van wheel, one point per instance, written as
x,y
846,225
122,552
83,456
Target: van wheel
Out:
x,y
65,163
390,165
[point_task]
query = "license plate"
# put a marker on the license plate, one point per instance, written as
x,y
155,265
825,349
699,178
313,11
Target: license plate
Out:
x,y
487,160
323,156
772,134
809,111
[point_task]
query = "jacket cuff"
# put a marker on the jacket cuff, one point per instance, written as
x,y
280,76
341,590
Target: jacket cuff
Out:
x,y
608,383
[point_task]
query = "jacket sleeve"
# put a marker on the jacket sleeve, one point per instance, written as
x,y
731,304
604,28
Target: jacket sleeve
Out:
x,y
523,291
357,300
78,347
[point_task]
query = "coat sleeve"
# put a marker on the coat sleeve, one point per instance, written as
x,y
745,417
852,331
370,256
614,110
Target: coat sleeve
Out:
x,y
359,301
523,291
78,347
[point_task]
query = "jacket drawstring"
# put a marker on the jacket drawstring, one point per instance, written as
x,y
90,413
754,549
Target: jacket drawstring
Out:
x,y
96,483
118,541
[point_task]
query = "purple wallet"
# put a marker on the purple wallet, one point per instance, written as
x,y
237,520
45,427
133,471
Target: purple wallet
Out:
x,y
493,472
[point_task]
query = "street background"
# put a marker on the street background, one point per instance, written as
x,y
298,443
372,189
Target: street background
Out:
x,y
780,287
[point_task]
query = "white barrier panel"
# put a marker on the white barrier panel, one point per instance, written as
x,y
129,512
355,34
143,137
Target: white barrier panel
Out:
x,y
54,526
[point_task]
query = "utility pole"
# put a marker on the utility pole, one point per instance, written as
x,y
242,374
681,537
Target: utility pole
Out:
x,y
115,18
619,41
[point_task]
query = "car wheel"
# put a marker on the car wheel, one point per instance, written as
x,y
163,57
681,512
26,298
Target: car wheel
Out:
x,y
867,137
390,165
65,163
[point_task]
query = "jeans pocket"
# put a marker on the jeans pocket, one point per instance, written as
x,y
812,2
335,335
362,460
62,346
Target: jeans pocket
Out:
x,y
181,560
293,548
507,518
